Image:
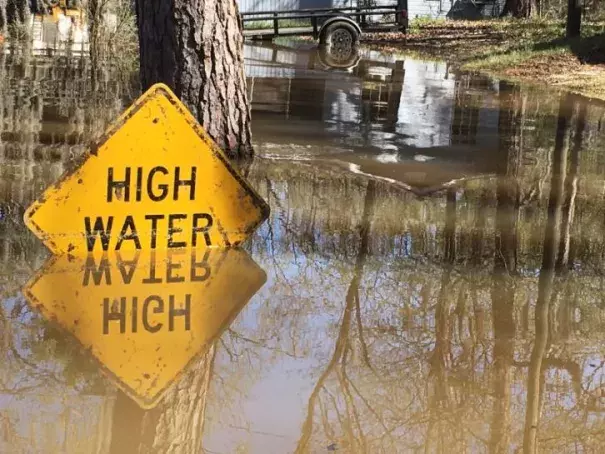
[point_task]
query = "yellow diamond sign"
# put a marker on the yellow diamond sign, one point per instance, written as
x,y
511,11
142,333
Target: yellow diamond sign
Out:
x,y
157,181
146,316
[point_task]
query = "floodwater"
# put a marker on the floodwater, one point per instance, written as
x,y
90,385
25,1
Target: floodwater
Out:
x,y
430,280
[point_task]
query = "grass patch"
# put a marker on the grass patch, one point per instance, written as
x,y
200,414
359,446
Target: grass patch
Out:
x,y
505,60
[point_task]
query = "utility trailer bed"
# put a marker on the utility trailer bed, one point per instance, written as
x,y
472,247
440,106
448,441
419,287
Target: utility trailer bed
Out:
x,y
327,24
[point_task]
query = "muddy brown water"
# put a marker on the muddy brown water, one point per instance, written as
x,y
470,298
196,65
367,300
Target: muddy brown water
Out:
x,y
431,277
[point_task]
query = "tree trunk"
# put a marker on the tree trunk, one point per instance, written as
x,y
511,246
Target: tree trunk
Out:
x,y
95,18
503,300
3,18
195,47
176,425
478,240
15,11
520,9
449,232
503,303
574,18
343,340
442,350
571,189
508,192
505,262
552,238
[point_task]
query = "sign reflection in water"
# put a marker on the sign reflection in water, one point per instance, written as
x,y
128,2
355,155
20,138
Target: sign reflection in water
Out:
x,y
146,316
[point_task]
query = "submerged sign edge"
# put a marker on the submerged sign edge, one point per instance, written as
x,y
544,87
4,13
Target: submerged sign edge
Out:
x,y
159,89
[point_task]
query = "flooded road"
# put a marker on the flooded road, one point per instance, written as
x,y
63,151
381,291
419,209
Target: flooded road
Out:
x,y
430,280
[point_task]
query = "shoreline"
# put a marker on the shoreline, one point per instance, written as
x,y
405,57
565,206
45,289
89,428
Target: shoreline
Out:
x,y
528,51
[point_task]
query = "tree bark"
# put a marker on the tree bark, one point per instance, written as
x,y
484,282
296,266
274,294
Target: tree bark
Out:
x,y
95,18
176,425
196,48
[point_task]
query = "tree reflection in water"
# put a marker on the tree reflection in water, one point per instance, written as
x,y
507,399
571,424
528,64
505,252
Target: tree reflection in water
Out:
x,y
467,320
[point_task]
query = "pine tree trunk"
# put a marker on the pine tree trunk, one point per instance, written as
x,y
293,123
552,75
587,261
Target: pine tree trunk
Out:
x,y
175,426
196,48
574,18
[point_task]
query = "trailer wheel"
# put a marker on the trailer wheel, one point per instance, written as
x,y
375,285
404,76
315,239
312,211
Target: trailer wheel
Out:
x,y
338,59
340,34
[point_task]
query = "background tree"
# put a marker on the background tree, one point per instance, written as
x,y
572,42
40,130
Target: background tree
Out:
x,y
574,18
517,8
196,48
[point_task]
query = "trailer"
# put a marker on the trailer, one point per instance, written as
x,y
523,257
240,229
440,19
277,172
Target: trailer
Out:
x,y
342,26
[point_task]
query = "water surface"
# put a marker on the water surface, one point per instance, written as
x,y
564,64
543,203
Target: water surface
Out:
x,y
430,279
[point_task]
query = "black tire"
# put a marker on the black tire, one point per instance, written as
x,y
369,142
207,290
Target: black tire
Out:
x,y
340,34
345,60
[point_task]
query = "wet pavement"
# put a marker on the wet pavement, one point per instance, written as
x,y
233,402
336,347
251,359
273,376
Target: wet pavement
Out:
x,y
430,280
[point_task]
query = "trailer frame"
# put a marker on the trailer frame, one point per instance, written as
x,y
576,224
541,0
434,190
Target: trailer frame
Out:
x,y
321,19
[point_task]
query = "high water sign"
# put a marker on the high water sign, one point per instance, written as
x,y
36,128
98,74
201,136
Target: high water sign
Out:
x,y
156,181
